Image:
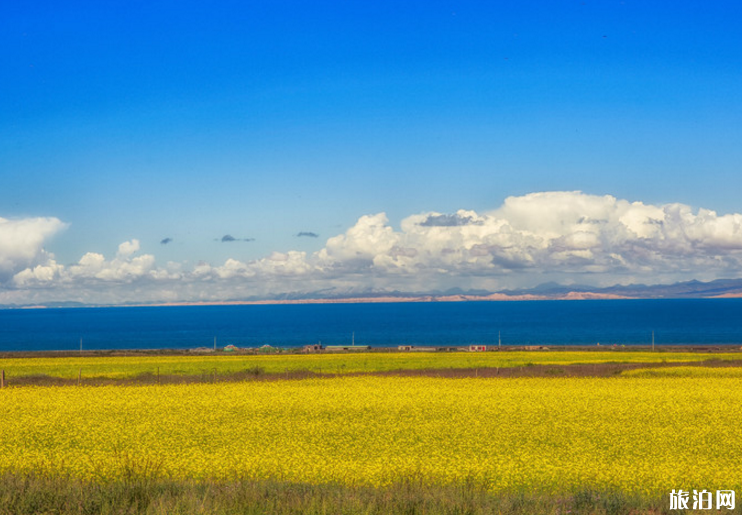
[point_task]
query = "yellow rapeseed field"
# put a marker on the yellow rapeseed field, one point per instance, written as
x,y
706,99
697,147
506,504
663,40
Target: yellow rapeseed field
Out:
x,y
648,434
127,366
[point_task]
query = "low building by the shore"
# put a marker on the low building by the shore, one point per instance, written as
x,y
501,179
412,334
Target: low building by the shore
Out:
x,y
346,348
414,348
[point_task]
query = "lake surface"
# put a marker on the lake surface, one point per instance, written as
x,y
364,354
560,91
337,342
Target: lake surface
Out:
x,y
629,322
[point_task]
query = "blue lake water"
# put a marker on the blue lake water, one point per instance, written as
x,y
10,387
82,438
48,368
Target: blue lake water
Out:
x,y
629,322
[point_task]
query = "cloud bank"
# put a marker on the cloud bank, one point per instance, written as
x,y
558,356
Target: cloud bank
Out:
x,y
563,236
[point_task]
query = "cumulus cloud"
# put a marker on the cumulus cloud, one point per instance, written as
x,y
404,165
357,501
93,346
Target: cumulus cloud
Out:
x,y
128,248
22,243
529,239
556,233
94,268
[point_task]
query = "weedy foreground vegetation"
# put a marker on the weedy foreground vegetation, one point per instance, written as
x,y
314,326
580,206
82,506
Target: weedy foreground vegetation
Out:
x,y
374,444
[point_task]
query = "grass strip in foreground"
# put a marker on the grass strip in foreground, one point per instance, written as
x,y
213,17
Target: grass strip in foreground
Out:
x,y
35,495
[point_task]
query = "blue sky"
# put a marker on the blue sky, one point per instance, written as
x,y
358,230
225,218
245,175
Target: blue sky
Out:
x,y
143,121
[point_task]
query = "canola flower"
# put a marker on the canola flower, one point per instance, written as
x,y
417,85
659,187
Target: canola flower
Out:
x,y
129,366
544,434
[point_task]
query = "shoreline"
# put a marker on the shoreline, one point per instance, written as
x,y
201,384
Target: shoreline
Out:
x,y
665,348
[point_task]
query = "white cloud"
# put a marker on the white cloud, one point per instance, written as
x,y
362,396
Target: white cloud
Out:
x,y
22,243
568,236
548,233
95,268
127,248
40,274
370,237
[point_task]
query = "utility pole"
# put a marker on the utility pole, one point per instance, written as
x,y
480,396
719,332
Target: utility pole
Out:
x,y
214,342
652,341
353,339
80,346
499,341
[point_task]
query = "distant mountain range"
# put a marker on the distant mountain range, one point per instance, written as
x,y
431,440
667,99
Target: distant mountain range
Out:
x,y
681,290
721,288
